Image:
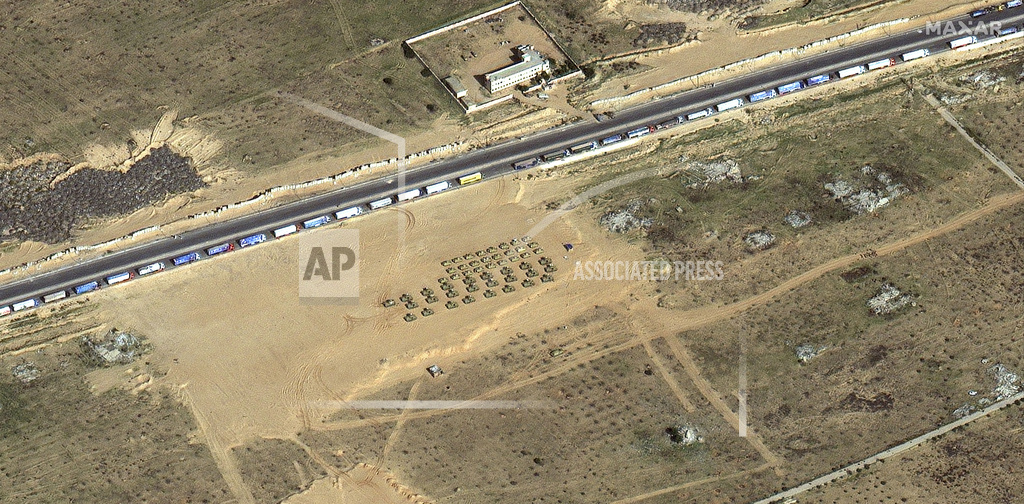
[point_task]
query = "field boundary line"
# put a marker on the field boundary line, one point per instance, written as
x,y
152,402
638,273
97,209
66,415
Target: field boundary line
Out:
x,y
893,451
669,379
952,120
221,454
715,398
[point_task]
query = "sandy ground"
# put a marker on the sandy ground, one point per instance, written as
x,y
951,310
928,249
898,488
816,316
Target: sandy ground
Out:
x,y
253,360
362,484
719,43
285,354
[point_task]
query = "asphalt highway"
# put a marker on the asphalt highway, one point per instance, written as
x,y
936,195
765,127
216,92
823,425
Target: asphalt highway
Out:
x,y
492,161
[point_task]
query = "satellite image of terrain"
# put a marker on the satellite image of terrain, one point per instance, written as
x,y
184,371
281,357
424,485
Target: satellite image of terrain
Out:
x,y
519,252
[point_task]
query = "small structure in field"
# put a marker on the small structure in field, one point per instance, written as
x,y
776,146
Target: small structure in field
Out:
x,y
456,86
116,347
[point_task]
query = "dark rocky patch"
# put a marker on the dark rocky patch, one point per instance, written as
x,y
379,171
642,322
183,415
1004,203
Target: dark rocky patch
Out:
x,y
31,210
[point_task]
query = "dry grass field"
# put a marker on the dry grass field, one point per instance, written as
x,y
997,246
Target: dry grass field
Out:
x,y
970,465
988,103
66,440
786,158
243,396
79,74
803,12
878,380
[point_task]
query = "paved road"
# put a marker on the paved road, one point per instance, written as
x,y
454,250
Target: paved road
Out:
x,y
492,161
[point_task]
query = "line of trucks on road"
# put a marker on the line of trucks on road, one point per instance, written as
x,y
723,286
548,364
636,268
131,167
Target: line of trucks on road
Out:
x,y
247,241
735,103
519,165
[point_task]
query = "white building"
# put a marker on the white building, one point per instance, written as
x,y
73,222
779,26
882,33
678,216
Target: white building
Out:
x,y
531,63
456,86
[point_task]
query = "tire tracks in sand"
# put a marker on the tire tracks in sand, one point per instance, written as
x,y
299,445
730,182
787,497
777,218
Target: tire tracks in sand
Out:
x,y
674,323
221,452
309,376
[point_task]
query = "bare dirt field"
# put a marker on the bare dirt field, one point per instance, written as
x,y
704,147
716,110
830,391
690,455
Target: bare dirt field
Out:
x,y
286,356
264,372
637,382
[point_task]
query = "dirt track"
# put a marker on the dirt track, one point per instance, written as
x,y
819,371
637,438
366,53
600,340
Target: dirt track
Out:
x,y
286,356
674,323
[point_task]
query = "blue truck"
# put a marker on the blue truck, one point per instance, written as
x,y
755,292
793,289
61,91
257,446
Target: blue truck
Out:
x,y
612,139
255,239
639,132
818,79
319,221
220,249
789,88
763,95
89,287
185,259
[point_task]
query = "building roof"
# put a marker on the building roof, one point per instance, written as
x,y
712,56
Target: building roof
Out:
x,y
529,58
455,85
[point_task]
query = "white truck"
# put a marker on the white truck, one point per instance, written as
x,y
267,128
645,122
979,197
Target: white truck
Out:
x,y
963,42
118,278
699,114
381,203
151,268
409,195
317,222
5,310
729,105
54,296
438,187
24,305
885,63
285,231
918,54
348,213
850,72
